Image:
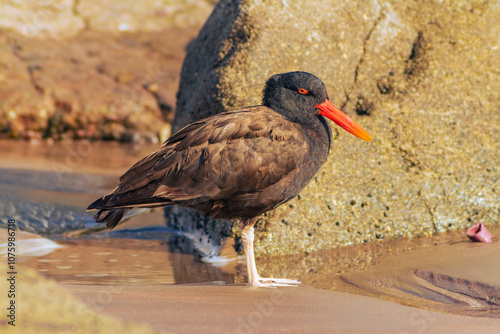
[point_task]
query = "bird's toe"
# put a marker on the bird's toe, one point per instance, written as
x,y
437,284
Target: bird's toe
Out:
x,y
272,282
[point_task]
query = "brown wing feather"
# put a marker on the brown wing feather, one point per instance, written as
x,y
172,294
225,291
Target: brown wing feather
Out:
x,y
206,162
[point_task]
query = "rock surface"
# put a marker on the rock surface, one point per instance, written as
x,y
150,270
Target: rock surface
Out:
x,y
87,69
61,19
422,78
143,16
33,18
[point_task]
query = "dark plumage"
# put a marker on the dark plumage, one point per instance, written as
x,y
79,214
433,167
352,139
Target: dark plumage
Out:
x,y
237,164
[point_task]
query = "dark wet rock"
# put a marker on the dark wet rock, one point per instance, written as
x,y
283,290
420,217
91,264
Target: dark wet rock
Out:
x,y
36,200
205,235
424,87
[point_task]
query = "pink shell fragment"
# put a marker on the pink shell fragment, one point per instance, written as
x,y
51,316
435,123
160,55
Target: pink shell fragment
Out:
x,y
479,233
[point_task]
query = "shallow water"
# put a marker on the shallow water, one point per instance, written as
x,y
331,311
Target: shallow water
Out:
x,y
46,188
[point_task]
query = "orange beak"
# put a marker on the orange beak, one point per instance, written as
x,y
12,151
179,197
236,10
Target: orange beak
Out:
x,y
327,109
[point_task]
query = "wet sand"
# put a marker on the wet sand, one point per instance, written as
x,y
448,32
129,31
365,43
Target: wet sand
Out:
x,y
145,282
238,309
461,278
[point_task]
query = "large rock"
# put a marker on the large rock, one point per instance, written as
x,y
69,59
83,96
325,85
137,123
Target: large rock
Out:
x,y
92,86
421,78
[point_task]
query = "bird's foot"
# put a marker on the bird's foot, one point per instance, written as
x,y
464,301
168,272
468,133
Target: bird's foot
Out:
x,y
274,282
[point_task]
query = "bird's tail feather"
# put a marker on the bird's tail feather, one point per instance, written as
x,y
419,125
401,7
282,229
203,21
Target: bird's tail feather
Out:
x,y
97,204
112,214
112,209
111,217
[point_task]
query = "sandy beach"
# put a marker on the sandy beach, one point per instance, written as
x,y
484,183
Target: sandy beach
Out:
x,y
238,309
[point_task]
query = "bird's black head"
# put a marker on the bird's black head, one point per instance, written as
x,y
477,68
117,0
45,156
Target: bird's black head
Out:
x,y
302,98
295,95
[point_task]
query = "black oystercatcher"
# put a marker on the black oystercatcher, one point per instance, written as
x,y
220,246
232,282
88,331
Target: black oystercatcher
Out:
x,y
238,164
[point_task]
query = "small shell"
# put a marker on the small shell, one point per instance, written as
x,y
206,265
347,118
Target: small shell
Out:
x,y
479,233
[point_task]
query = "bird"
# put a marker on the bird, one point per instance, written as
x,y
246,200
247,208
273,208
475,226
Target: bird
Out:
x,y
238,164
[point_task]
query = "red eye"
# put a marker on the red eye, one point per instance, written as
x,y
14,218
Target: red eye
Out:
x,y
302,91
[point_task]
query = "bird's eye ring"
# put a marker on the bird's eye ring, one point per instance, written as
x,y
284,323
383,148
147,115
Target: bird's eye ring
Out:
x,y
302,91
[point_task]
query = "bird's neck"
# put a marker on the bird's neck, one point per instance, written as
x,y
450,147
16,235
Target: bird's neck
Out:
x,y
304,118
327,129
